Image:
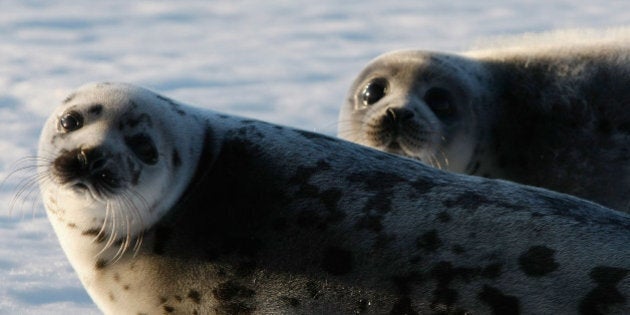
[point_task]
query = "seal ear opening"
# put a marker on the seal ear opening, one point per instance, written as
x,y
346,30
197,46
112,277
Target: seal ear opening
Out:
x,y
440,100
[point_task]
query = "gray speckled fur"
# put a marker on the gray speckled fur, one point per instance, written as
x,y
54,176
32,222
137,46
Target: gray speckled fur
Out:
x,y
554,117
282,221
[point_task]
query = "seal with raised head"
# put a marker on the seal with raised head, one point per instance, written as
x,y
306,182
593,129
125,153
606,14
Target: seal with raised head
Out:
x,y
162,208
555,117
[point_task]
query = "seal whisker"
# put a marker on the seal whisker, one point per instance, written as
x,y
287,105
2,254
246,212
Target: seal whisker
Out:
x,y
25,188
243,216
102,234
136,211
538,111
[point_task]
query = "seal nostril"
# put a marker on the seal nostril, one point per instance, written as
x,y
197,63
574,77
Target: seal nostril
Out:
x,y
390,115
98,164
397,115
405,114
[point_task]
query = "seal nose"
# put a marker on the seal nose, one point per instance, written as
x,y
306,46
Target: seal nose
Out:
x,y
94,160
396,116
80,163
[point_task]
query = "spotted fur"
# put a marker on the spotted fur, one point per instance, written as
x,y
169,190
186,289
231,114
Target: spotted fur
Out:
x,y
259,219
550,116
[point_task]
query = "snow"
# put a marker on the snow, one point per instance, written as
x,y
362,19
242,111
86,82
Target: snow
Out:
x,y
288,62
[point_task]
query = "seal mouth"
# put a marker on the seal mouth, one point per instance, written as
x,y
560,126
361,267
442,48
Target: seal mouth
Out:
x,y
394,146
98,189
88,171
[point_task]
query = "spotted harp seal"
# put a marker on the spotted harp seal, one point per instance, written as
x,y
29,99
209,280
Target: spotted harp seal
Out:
x,y
557,118
165,208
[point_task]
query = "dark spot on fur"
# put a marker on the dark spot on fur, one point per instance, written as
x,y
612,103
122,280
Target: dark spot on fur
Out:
x,y
310,219
429,241
177,161
337,261
444,217
492,271
230,290
134,121
415,259
499,302
72,225
604,127
370,222
382,239
314,136
307,191
538,261
293,302
422,186
143,148
163,300
111,296
178,298
458,249
605,294
403,283
467,200
362,306
95,109
168,309
162,236
174,106
375,180
330,198
126,287
280,225
249,132
375,208
403,307
101,264
624,127
304,173
234,298
379,203
444,273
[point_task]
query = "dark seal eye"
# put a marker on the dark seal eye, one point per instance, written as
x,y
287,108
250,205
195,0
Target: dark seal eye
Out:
x,y
143,147
71,121
440,102
374,91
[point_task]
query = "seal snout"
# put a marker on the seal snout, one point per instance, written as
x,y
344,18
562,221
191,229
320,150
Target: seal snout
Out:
x,y
395,117
394,121
87,168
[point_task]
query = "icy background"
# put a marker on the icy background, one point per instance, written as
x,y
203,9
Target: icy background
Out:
x,y
288,62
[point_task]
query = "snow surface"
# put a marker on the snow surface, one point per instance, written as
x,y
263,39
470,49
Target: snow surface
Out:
x,y
288,62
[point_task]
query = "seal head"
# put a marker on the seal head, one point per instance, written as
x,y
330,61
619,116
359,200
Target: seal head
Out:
x,y
424,111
